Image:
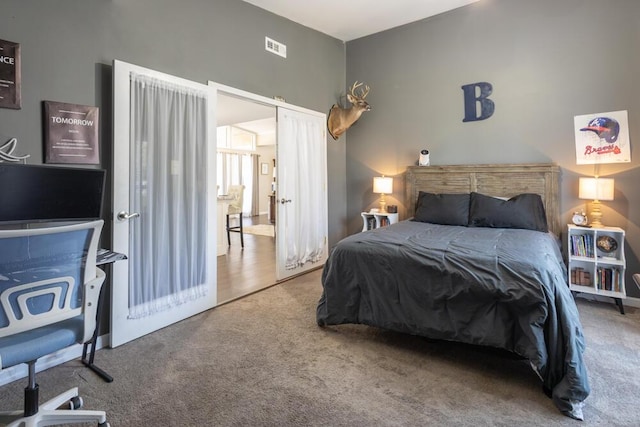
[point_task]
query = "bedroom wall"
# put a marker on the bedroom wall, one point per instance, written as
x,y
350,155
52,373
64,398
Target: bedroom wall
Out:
x,y
68,47
547,60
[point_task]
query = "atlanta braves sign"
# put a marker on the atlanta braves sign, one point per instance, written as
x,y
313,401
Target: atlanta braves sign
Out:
x,y
602,138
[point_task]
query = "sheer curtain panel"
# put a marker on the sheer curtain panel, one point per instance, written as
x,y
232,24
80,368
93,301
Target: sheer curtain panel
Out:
x,y
169,152
301,173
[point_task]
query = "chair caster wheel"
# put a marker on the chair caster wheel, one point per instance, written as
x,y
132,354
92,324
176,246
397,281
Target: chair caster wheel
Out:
x,y
104,424
76,403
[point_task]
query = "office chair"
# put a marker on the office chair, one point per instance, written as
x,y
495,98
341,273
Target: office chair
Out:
x,y
49,288
235,208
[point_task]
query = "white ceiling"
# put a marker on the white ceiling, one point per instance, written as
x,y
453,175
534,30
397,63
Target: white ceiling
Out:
x,y
351,19
245,114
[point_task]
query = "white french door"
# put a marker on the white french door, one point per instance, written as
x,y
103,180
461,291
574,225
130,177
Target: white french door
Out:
x,y
164,201
301,192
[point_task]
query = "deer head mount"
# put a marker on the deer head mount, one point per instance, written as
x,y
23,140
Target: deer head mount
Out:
x,y
340,119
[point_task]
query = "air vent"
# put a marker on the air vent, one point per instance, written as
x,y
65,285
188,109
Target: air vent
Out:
x,y
273,46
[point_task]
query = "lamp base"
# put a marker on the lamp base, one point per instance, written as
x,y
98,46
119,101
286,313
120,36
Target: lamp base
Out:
x,y
383,203
596,214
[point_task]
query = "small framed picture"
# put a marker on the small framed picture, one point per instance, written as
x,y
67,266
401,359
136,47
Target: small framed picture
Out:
x,y
10,75
264,168
71,133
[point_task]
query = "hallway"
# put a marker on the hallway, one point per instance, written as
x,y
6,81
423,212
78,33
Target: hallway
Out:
x,y
244,271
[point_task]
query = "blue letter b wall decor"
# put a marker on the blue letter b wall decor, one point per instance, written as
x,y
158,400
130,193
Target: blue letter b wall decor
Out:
x,y
471,100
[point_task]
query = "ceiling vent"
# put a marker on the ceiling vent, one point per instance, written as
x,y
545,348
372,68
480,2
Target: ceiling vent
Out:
x,y
273,46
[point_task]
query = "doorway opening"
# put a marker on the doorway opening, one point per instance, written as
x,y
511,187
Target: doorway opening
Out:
x,y
246,153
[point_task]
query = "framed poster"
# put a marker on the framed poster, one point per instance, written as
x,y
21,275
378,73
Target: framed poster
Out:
x,y
71,133
602,138
10,80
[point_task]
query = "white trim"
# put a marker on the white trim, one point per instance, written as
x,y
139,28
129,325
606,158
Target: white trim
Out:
x,y
20,371
261,99
628,301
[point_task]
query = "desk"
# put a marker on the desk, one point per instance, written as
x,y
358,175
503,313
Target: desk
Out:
x,y
104,257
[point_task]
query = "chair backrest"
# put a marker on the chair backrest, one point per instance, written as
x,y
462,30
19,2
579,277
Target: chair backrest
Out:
x,y
235,192
48,275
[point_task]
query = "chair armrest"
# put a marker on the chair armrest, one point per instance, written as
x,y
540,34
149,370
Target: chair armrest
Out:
x,y
91,296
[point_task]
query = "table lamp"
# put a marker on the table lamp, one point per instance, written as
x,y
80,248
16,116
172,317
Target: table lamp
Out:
x,y
596,189
383,185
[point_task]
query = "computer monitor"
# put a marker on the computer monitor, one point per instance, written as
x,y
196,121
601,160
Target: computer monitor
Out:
x,y
39,193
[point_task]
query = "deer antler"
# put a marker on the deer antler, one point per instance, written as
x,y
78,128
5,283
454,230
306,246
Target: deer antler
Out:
x,y
353,88
364,93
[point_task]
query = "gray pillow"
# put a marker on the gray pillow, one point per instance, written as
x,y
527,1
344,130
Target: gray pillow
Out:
x,y
446,209
524,211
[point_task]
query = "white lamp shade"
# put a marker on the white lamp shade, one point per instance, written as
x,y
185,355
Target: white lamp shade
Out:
x,y
596,188
383,184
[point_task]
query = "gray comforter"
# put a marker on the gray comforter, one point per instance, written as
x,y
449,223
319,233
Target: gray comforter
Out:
x,y
504,288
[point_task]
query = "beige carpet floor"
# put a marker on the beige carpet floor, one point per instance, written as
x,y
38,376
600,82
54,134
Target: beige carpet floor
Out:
x,y
263,361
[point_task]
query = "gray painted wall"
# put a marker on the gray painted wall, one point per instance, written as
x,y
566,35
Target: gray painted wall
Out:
x,y
68,47
548,61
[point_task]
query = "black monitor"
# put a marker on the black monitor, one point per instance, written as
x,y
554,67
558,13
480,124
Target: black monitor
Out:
x,y
39,193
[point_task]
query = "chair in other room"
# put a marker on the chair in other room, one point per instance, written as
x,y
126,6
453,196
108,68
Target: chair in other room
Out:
x,y
49,289
235,193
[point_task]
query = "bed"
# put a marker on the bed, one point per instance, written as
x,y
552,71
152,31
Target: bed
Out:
x,y
469,276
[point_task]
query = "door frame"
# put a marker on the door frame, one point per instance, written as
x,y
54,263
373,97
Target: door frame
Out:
x,y
229,90
215,88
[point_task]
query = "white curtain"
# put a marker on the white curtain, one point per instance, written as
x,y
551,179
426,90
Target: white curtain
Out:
x,y
237,169
168,189
300,172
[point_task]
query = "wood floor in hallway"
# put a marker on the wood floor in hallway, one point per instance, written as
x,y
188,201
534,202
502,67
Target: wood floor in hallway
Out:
x,y
244,271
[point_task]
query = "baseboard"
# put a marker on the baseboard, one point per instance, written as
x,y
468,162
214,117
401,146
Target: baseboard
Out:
x,y
18,372
628,301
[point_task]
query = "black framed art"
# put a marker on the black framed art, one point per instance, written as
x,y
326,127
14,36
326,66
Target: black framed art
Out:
x,y
71,133
10,75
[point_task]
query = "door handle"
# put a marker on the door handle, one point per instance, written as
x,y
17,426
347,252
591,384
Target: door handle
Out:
x,y
283,201
124,215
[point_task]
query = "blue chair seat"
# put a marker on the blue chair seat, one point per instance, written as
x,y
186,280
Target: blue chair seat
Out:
x,y
32,345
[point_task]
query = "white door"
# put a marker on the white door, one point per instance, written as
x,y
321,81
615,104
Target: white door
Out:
x,y
301,193
164,197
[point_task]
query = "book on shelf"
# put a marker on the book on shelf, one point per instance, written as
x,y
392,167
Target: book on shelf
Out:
x,y
580,277
371,223
608,279
582,245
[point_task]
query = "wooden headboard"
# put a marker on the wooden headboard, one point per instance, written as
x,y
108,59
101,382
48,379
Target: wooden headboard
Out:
x,y
505,180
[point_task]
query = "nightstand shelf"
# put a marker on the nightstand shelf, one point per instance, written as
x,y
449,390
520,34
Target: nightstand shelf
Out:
x,y
373,220
597,268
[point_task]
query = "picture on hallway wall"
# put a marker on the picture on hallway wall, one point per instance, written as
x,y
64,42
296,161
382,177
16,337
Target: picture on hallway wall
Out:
x,y
602,138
